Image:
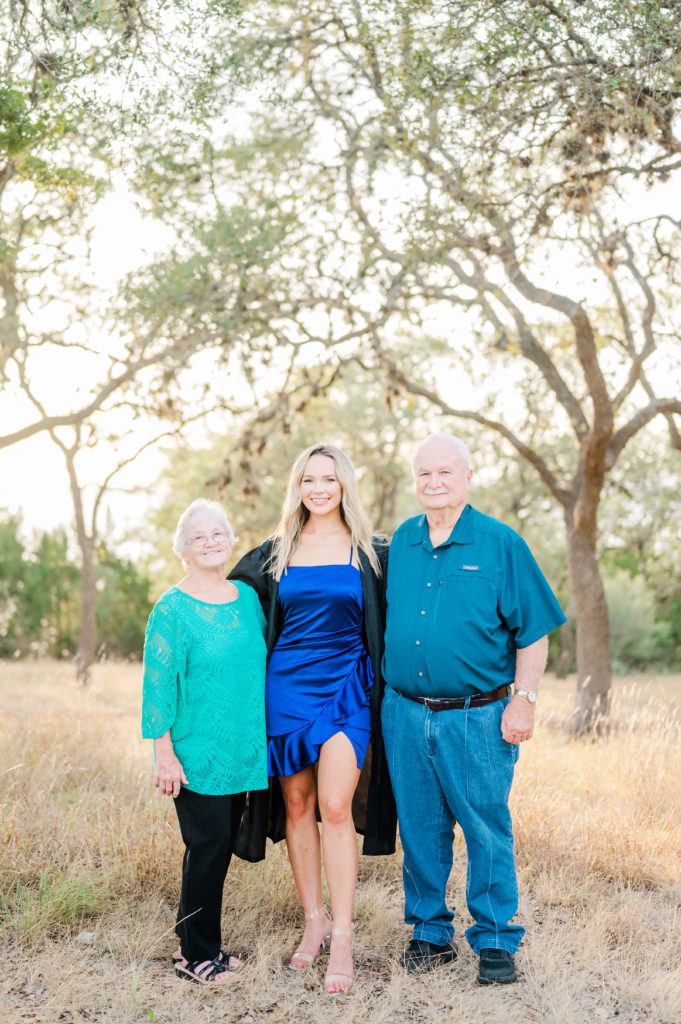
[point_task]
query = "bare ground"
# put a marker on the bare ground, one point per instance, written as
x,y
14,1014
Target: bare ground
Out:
x,y
90,858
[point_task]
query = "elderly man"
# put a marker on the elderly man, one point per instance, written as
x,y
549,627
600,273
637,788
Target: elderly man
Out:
x,y
468,616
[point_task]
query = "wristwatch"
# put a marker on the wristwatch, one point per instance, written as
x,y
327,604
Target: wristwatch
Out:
x,y
527,694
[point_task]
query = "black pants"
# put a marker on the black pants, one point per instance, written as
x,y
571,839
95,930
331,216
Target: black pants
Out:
x,y
209,825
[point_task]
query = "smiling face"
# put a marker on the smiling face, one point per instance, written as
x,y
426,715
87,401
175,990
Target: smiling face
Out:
x,y
207,543
320,489
442,477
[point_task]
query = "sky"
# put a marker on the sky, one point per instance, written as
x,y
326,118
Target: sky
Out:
x,y
33,481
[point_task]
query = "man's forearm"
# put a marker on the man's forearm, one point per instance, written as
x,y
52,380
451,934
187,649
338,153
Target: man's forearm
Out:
x,y
517,721
530,663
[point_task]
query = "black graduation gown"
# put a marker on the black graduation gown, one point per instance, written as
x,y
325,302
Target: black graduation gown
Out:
x,y
373,807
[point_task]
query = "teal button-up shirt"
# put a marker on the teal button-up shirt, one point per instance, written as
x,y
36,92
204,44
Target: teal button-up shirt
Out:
x,y
458,612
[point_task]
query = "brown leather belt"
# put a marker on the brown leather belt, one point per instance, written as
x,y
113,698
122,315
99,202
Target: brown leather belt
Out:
x,y
452,703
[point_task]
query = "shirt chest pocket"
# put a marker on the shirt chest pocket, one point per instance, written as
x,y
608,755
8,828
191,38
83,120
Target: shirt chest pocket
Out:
x,y
465,595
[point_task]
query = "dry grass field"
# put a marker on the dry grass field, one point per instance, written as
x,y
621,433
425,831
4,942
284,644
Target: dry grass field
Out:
x,y
90,862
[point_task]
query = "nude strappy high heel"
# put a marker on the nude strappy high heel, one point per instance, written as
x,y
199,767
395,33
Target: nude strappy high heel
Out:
x,y
309,958
337,984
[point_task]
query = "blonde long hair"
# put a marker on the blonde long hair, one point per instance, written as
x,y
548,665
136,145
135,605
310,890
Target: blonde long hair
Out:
x,y
294,515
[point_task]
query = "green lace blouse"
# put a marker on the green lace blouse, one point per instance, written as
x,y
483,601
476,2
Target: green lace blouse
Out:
x,y
204,679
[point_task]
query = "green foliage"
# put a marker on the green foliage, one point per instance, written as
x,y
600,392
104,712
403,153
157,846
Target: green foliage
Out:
x,y
17,127
637,638
51,589
39,598
123,606
11,584
669,615
38,594
54,903
33,134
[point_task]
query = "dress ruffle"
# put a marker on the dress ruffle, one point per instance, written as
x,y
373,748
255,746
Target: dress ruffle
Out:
x,y
319,676
346,713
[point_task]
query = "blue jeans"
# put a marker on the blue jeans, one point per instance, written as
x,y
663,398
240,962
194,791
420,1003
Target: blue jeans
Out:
x,y
448,767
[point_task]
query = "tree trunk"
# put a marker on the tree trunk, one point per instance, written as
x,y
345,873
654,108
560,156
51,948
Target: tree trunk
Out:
x,y
87,642
594,674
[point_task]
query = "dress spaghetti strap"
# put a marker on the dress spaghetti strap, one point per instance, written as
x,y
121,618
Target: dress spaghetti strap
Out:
x,y
351,553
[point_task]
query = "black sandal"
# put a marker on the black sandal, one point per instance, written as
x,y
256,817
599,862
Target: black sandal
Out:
x,y
203,971
230,960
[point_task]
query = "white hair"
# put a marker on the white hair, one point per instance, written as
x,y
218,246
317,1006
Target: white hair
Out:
x,y
201,506
454,442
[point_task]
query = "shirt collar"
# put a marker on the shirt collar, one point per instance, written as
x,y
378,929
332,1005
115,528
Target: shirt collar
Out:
x,y
461,534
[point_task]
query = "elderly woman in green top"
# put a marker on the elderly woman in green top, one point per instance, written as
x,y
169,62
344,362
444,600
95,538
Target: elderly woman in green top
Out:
x,y
203,706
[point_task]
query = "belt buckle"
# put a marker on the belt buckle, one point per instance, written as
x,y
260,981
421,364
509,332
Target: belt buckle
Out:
x,y
428,701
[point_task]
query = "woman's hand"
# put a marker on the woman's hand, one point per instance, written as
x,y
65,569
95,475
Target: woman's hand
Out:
x,y
169,774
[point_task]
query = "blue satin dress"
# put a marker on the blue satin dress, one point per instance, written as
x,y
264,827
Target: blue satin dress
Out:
x,y
319,675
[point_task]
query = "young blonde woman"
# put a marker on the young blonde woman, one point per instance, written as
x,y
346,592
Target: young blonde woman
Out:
x,y
321,579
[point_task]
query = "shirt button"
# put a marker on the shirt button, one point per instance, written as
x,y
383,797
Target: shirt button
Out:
x,y
428,584
418,643
423,613
420,673
434,556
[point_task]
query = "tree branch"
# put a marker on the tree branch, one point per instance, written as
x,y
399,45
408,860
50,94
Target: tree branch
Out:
x,y
661,406
532,457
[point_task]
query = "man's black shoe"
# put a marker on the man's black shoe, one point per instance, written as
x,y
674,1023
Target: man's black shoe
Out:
x,y
496,966
424,956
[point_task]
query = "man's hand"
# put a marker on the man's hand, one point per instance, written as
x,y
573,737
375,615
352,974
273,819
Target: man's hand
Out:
x,y
169,774
517,721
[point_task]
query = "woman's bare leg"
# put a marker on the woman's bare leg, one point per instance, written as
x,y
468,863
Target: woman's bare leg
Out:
x,y
337,780
302,839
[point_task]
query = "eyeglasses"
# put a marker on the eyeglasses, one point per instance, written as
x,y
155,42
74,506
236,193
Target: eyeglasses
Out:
x,y
201,539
